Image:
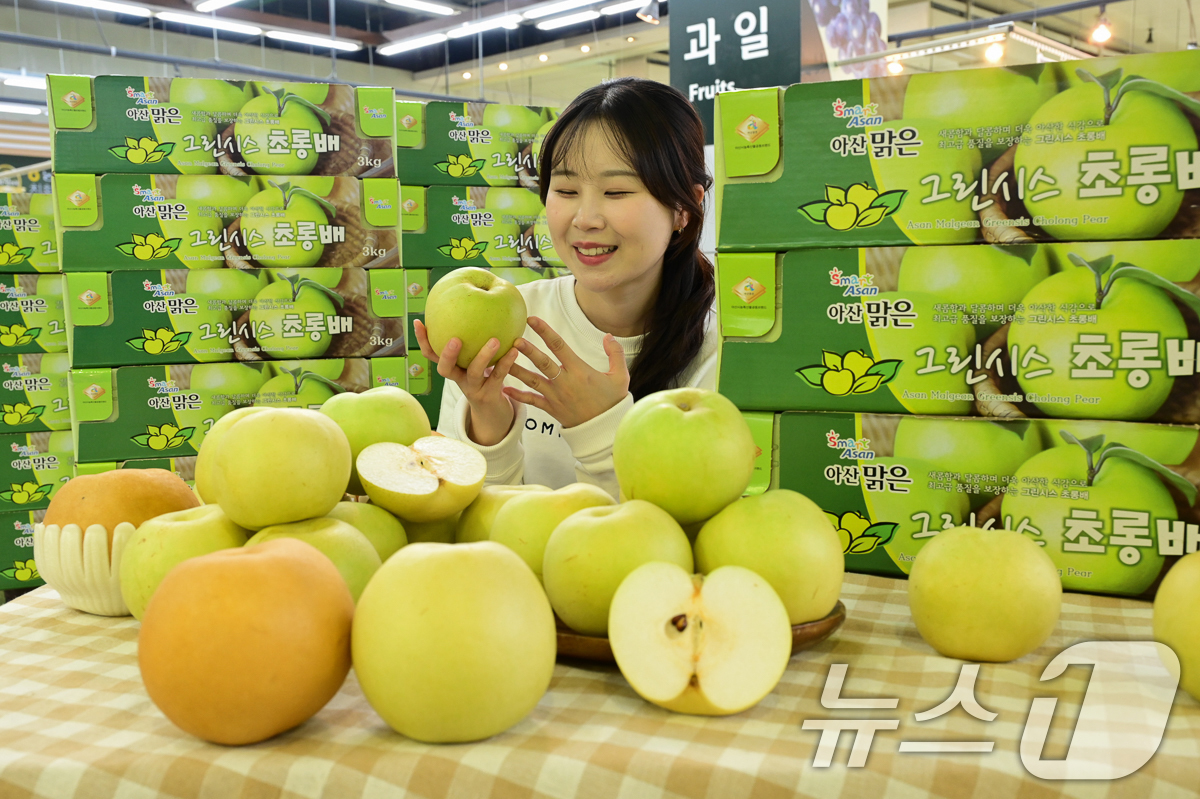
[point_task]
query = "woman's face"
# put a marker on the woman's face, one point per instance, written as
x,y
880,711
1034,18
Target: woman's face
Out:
x,y
606,226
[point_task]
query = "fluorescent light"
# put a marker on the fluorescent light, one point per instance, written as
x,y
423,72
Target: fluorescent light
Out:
x,y
510,21
557,8
26,81
570,19
21,108
421,5
105,5
213,5
315,41
209,22
410,44
621,8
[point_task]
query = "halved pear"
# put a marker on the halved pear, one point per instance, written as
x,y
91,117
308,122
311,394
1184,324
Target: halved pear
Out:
x,y
709,646
434,478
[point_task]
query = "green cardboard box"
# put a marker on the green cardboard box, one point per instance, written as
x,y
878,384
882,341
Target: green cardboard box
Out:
x,y
1071,151
112,222
32,318
469,144
27,240
1105,499
206,315
203,126
1073,330
33,467
34,393
184,467
17,567
452,226
137,412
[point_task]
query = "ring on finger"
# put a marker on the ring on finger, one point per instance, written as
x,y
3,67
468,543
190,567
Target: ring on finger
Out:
x,y
556,374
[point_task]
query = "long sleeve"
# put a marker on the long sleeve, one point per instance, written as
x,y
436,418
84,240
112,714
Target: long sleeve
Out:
x,y
591,445
506,459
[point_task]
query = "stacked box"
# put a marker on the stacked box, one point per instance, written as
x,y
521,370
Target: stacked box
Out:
x,y
32,316
898,254
34,467
17,566
27,237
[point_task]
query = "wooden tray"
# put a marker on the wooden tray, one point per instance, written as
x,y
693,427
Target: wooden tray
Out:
x,y
590,647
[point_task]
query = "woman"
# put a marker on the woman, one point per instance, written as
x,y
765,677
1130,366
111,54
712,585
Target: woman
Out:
x,y
622,177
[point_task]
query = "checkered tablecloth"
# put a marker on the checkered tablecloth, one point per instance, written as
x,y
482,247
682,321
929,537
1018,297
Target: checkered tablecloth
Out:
x,y
75,723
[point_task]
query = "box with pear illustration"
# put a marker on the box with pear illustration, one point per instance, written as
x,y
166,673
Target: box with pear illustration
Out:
x,y
184,467
34,393
112,222
1112,503
206,315
32,317
27,240
17,566
453,226
1099,149
200,126
32,469
1100,330
138,412
470,144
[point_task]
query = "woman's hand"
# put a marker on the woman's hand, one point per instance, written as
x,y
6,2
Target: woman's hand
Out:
x,y
567,388
491,412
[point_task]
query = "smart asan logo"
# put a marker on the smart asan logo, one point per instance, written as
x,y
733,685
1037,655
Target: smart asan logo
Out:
x,y
149,195
163,386
463,204
854,285
379,203
850,449
140,97
461,120
374,113
158,289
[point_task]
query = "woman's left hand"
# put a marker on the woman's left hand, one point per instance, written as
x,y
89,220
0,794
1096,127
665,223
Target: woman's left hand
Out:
x,y
565,386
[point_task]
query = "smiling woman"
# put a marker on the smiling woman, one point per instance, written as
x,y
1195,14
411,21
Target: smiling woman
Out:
x,y
623,180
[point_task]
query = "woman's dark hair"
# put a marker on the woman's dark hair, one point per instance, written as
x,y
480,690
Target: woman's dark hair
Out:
x,y
658,132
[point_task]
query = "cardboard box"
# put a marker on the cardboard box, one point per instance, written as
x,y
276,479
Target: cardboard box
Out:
x,y
32,469
893,482
17,567
34,393
450,226
27,240
136,412
207,315
32,318
200,126
184,467
979,330
113,222
1004,154
469,144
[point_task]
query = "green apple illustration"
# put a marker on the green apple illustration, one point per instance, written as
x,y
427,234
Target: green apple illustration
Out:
x,y
313,92
1168,444
1116,479
919,514
969,447
229,385
904,343
235,286
974,275
1175,69
222,196
1135,112
297,388
329,368
509,125
220,97
538,138
915,217
257,121
51,321
994,97
42,241
296,297
199,235
208,330
545,245
1160,256
328,276
186,137
517,202
1123,298
499,237
284,206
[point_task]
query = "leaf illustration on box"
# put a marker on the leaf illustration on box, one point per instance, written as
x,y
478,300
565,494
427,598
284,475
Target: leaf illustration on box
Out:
x,y
22,571
851,373
21,413
11,254
142,151
858,206
459,166
163,437
25,493
463,249
149,247
159,342
15,335
858,535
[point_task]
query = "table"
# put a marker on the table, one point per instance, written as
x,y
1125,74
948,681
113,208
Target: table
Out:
x,y
75,722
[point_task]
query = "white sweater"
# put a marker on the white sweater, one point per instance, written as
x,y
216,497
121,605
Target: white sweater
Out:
x,y
537,449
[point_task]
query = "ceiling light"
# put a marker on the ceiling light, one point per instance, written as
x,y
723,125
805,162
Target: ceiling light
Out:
x,y
630,39
503,66
21,108
556,8
1102,32
421,5
26,81
543,58
209,22
105,5
584,48
315,41
895,67
570,19
410,44
511,21
213,5
995,53
649,13
621,8
466,76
